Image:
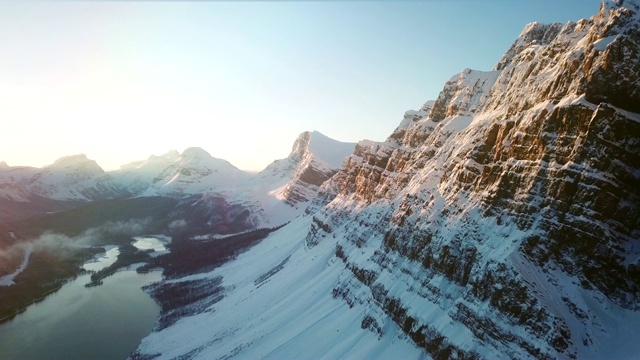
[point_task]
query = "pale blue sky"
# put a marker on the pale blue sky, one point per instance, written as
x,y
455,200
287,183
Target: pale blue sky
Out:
x,y
120,81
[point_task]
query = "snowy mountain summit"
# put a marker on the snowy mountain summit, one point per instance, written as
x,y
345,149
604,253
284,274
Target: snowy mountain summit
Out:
x,y
499,221
195,171
285,188
314,158
72,177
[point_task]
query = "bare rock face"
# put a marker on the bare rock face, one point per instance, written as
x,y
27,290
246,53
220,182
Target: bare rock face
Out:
x,y
533,34
613,70
511,203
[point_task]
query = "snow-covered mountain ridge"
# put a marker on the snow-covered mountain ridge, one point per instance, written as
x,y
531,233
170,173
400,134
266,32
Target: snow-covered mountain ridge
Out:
x,y
69,178
284,188
78,178
501,220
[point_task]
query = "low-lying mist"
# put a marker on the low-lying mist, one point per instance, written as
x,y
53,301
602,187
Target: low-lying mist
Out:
x,y
63,245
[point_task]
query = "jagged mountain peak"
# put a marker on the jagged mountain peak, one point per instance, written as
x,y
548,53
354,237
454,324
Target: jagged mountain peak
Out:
x,y
534,33
615,16
305,138
72,177
329,151
301,145
198,157
295,180
594,60
464,94
410,118
70,160
618,18
194,171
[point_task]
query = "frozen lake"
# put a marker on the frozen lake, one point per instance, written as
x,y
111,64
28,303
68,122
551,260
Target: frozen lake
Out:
x,y
102,261
156,243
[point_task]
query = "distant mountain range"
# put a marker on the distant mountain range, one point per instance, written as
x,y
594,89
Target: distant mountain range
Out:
x,y
292,181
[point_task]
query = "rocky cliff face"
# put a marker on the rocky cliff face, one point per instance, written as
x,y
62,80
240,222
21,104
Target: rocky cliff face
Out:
x,y
510,203
499,221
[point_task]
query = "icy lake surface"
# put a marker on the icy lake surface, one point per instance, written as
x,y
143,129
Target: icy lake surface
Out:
x,y
101,261
156,243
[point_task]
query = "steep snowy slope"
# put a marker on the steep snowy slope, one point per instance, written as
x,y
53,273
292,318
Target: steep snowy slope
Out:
x,y
501,220
279,305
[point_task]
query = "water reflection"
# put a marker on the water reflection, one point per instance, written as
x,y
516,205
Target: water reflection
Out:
x,y
103,322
